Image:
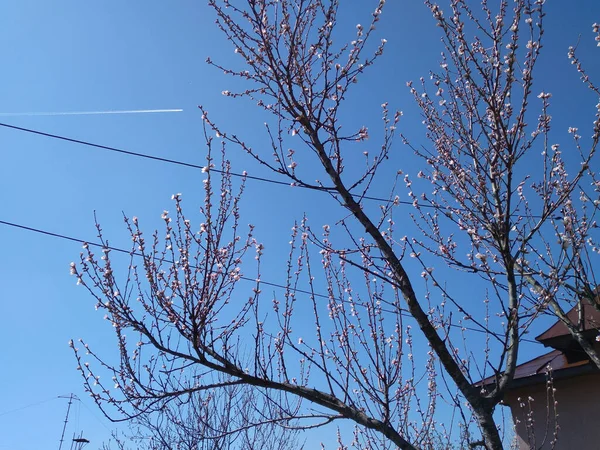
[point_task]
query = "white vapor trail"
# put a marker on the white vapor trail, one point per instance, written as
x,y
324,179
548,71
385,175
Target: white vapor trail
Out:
x,y
89,113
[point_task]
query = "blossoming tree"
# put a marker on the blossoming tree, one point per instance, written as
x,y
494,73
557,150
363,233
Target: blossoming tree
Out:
x,y
207,421
495,201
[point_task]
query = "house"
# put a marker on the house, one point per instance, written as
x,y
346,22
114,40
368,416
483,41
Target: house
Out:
x,y
557,395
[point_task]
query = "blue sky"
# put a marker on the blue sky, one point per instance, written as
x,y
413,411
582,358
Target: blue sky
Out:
x,y
115,55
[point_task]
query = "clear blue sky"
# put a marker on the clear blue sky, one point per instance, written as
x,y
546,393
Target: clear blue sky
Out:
x,y
124,55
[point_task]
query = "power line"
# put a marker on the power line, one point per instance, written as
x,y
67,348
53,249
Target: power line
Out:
x,y
31,405
176,162
100,146
197,166
94,414
128,252
403,312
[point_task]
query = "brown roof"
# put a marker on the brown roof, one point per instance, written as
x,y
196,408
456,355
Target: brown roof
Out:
x,y
534,371
566,360
555,360
591,322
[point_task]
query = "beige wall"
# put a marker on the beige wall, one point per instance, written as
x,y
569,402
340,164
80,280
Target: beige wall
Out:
x,y
578,410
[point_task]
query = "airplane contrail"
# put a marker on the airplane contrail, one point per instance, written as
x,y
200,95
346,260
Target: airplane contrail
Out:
x,y
89,113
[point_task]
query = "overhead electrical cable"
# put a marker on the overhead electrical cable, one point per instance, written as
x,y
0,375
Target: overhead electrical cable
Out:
x,y
176,162
402,311
31,405
212,169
